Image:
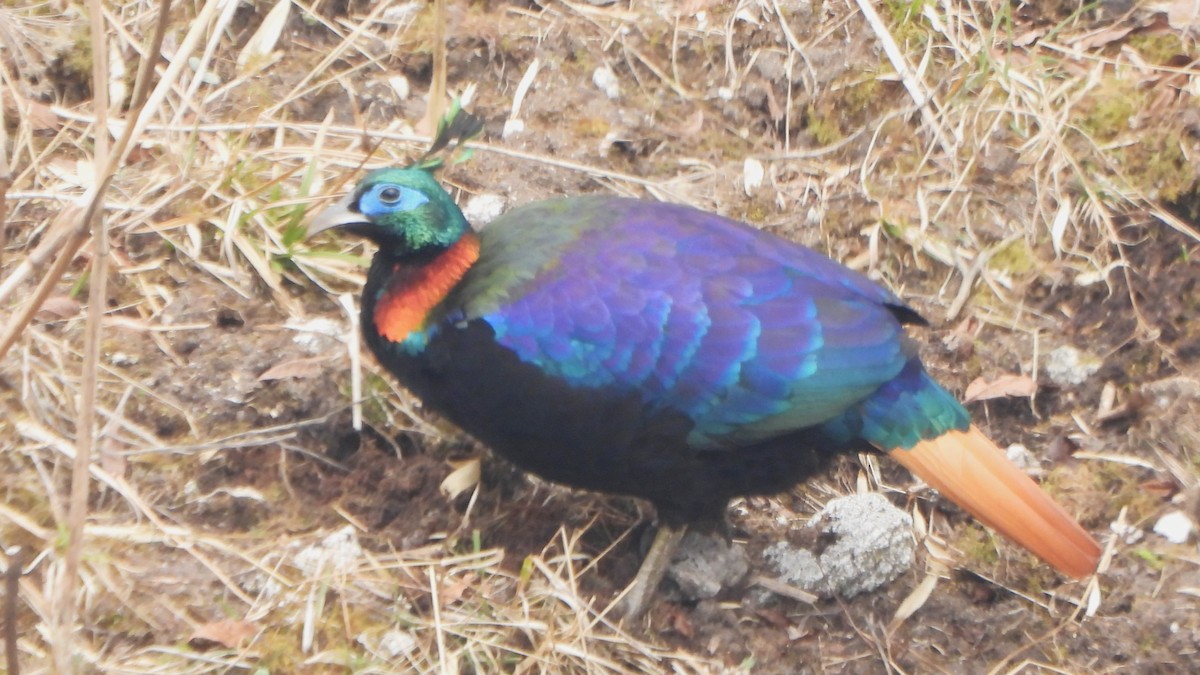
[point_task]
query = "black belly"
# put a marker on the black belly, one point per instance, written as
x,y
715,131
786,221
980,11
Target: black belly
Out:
x,y
591,438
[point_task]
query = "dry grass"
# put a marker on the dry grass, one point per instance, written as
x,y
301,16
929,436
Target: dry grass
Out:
x,y
1008,168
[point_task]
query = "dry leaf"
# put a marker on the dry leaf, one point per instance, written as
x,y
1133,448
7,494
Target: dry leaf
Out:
x,y
920,525
773,616
1058,229
297,368
453,590
775,110
1028,37
1108,399
682,624
939,554
1164,489
260,45
465,476
1104,37
531,72
227,633
76,173
785,589
1111,411
1019,386
914,601
690,7
112,459
1181,14
39,116
1093,599
118,73
692,125
60,306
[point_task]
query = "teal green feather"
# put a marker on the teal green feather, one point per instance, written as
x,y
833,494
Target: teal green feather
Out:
x,y
409,210
750,336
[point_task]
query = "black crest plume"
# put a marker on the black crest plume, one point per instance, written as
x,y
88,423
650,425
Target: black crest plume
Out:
x,y
456,127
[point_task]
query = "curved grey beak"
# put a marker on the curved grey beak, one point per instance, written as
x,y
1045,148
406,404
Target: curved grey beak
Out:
x,y
337,214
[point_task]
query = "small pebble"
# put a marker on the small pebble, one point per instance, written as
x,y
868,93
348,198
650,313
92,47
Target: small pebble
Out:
x,y
339,550
1021,456
1127,533
1175,527
123,359
483,208
512,127
752,175
704,564
399,84
1067,366
397,643
606,80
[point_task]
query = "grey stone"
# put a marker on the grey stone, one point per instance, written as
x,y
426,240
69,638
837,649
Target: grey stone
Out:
x,y
1067,366
706,563
873,544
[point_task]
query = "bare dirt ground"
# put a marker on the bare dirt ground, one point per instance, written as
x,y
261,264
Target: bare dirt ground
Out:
x,y
1028,177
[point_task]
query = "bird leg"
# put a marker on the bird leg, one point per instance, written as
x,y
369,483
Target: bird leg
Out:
x,y
651,573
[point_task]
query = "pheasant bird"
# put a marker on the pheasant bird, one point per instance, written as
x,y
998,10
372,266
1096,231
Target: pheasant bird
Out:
x,y
662,352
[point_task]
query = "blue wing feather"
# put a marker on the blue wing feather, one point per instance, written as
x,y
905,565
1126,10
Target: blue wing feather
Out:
x,y
750,336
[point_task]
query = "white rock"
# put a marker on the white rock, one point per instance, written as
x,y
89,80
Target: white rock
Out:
x,y
704,564
1175,527
512,127
123,359
1126,532
1067,366
339,550
399,84
1021,456
752,175
608,141
483,208
606,80
397,643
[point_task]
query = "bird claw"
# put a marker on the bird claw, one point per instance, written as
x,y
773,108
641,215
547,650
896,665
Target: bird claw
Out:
x,y
636,598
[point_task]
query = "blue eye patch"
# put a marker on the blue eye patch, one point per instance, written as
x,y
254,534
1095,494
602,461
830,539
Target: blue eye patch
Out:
x,y
389,198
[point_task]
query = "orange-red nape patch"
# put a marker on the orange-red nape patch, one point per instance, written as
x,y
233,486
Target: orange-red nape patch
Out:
x,y
415,291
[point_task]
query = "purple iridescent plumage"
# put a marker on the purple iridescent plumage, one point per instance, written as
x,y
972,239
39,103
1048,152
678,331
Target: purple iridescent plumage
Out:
x,y
749,336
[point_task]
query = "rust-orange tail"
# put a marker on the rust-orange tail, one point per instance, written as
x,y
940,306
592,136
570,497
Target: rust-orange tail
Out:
x,y
967,468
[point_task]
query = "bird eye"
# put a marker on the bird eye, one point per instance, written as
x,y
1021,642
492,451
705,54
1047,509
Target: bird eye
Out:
x,y
389,195
390,198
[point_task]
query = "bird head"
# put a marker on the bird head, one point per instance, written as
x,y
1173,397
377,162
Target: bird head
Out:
x,y
405,211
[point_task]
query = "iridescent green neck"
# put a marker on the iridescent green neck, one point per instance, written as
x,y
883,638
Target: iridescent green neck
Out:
x,y
434,224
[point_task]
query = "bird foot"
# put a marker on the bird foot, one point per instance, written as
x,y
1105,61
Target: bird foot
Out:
x,y
636,598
